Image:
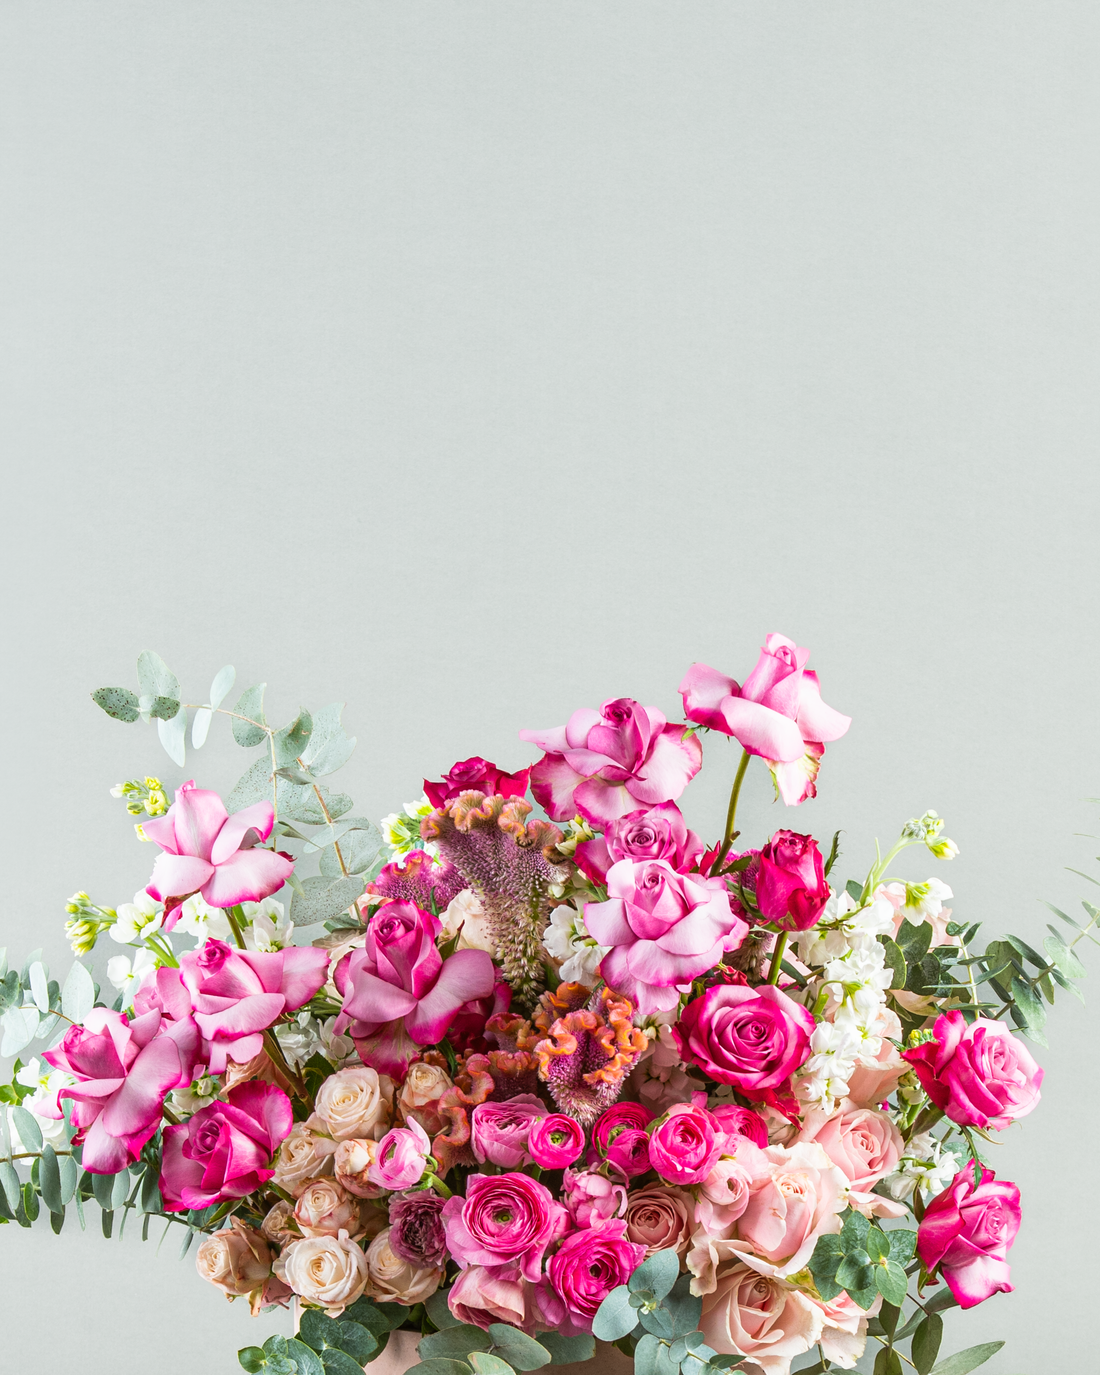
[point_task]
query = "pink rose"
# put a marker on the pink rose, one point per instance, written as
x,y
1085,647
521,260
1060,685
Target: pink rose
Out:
x,y
790,881
737,1121
967,1231
224,1151
874,1083
862,1142
592,1197
660,1219
325,1209
482,1296
499,1131
664,930
124,1071
416,1228
209,852
588,1265
777,713
752,1038
398,991
401,1158
795,1202
685,1143
724,1194
505,1219
478,774
762,1318
604,764
978,1075
648,833
555,1141
352,1166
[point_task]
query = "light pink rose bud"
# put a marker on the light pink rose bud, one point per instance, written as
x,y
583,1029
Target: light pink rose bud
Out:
x,y
236,1260
302,1156
401,1158
325,1209
424,1085
277,1227
352,1164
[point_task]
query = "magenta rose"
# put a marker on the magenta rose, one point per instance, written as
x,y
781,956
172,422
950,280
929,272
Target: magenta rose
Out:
x,y
978,1075
588,1265
555,1141
224,1151
467,1031
967,1231
685,1143
648,833
752,1038
737,1121
790,881
604,764
505,1219
479,774
416,1229
124,1071
592,1197
401,1158
398,991
499,1131
664,930
776,713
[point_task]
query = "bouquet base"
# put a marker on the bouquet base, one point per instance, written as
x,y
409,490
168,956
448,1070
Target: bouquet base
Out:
x,y
400,1356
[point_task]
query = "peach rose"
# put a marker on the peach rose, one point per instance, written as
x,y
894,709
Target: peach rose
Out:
x,y
303,1156
277,1227
424,1085
357,1101
758,1316
330,1272
393,1280
660,1217
236,1260
351,1163
792,1205
325,1209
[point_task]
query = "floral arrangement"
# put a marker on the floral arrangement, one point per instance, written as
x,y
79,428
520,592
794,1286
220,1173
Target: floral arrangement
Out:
x,y
539,1079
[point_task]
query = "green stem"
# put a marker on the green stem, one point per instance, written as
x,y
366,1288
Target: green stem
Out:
x,y
731,811
434,1182
777,958
233,915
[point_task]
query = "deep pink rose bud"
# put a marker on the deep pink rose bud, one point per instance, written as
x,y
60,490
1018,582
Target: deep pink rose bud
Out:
x,y
685,1143
589,1264
737,1121
401,1157
555,1141
967,1231
978,1075
790,881
479,774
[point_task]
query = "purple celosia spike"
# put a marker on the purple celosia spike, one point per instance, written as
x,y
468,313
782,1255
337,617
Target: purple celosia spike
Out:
x,y
420,881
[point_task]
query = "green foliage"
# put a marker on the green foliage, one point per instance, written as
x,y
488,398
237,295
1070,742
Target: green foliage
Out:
x,y
324,1345
250,704
567,1350
963,1362
863,1260
659,1300
119,703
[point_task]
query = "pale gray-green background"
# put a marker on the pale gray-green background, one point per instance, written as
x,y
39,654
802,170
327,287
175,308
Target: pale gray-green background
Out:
x,y
475,362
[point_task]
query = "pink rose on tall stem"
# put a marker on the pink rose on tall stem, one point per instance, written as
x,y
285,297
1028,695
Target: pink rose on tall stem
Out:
x,y
685,1143
978,1075
499,1131
967,1231
124,1070
604,764
648,833
209,852
505,1219
398,991
776,713
588,1265
664,930
224,1151
790,881
401,1158
478,774
555,1141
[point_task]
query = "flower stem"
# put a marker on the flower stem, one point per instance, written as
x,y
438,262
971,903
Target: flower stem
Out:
x,y
434,1182
232,916
731,812
777,958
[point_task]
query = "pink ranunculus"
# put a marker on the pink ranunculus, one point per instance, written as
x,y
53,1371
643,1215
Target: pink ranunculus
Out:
x,y
685,1143
416,1228
629,1152
124,1071
588,1265
619,1135
224,1151
479,774
752,1038
398,991
796,1201
776,713
604,764
505,1219
615,1119
648,833
862,1142
591,1197
967,1231
209,852
555,1141
978,1075
790,881
401,1158
483,1295
738,1121
499,1131
664,930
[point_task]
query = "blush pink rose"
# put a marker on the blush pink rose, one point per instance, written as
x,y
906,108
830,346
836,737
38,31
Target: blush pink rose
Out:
x,y
685,1143
798,1200
588,1265
790,881
967,1231
482,1296
499,1131
224,1151
648,833
978,1075
745,1312
478,774
604,764
660,1218
862,1142
401,1158
737,1121
592,1197
505,1219
724,1195
664,930
555,1141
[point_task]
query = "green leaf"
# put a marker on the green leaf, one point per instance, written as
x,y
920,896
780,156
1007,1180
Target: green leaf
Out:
x,y
1029,1003
57,1221
299,803
337,1362
49,1180
683,1307
250,704
517,1348
356,1340
887,1362
155,678
200,727
895,960
223,681
307,1360
164,708
892,1282
645,1355
360,848
853,1273
374,1319
963,1362
30,1133
9,1181
440,1365
78,994
854,889
438,1310
877,1244
926,1342
119,703
30,1201
902,1244
254,785
252,1358
659,1322
485,1363
615,1318
455,1343
1061,955
329,747
322,898
292,740
567,1350
658,1273
40,986
20,1026
69,1172
173,737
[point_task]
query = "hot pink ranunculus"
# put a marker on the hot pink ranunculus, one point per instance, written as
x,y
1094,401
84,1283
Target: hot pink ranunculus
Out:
x,y
505,1219
209,852
685,1143
555,1141
479,774
797,1200
588,1265
483,1295
752,1038
967,1231
737,1121
790,881
499,1131
398,991
776,713
224,1151
648,833
604,764
124,1071
664,930
979,1075
401,1158
619,1135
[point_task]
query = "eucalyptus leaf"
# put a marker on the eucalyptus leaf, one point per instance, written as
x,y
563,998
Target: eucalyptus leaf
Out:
x,y
155,678
517,1348
337,1362
658,1273
887,1362
291,741
173,736
40,991
164,708
455,1343
200,727
323,897
119,703
49,1180
329,747
251,704
615,1318
440,1365
78,994
963,1362
223,681
30,1133
254,785
301,803
360,847
926,1342
69,1173
485,1363
567,1350
251,1358
9,1181
1061,955
439,1310
20,1025
645,1355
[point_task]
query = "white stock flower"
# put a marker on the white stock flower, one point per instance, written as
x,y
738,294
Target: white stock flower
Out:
x,y
306,1037
128,976
199,1094
567,939
269,927
136,920
203,922
926,1165
921,901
